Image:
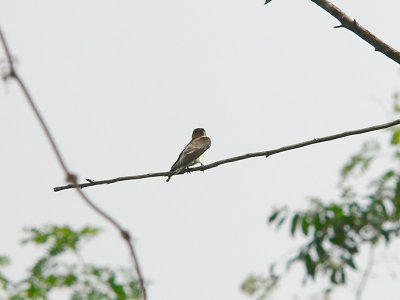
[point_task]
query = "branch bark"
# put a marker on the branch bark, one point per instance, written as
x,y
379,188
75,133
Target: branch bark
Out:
x,y
70,177
236,158
355,27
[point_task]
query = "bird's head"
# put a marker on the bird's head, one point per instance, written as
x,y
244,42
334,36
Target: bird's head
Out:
x,y
198,132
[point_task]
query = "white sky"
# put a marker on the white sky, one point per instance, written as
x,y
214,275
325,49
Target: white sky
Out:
x,y
122,85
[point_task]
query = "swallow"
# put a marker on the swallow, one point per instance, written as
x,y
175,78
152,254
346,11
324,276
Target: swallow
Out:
x,y
193,152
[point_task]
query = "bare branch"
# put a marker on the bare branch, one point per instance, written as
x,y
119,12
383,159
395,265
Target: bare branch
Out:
x,y
366,274
70,177
13,74
354,26
236,158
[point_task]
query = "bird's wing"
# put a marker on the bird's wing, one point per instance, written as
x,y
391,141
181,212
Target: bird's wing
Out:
x,y
192,151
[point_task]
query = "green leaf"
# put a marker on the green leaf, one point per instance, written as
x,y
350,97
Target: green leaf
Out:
x,y
273,216
333,276
4,261
386,235
320,250
349,262
277,212
349,167
4,282
337,210
396,137
34,291
305,225
70,279
281,221
52,280
310,265
351,249
342,276
339,236
251,285
316,221
89,231
254,284
117,288
295,221
361,160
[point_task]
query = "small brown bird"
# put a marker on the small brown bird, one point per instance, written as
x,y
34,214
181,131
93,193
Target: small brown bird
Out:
x,y
192,153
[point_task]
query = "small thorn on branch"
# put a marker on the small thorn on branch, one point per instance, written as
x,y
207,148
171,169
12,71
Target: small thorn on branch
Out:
x,y
352,25
8,68
267,1
339,26
89,180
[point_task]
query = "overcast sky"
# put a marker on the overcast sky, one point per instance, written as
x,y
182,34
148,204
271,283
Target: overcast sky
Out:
x,y
122,85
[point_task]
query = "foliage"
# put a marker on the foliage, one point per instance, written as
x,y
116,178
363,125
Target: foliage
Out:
x,y
260,285
53,271
335,232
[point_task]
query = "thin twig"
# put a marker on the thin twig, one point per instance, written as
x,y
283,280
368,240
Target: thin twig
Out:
x,y
355,27
125,235
366,274
237,158
70,177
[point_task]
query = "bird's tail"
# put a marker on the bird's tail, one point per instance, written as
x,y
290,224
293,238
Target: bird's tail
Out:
x,y
174,172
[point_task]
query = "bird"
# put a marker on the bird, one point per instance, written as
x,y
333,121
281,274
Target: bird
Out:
x,y
193,152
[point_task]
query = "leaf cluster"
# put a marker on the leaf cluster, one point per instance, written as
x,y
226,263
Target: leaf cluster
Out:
x,y
336,231
53,272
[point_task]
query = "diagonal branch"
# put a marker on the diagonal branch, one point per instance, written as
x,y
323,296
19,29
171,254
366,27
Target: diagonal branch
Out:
x,y
70,177
237,158
354,26
366,274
